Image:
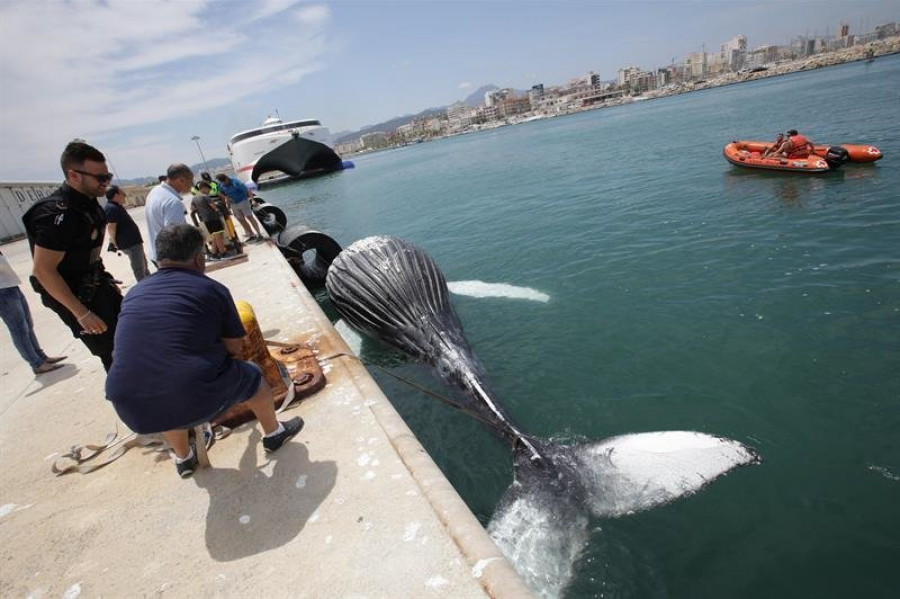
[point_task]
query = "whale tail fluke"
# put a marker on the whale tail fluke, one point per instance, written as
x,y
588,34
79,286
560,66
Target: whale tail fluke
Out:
x,y
542,523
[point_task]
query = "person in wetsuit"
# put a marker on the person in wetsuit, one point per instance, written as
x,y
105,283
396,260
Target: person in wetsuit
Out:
x,y
65,232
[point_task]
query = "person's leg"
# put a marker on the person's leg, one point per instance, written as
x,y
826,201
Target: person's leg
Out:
x,y
219,243
263,407
138,261
245,213
243,220
27,311
178,441
19,324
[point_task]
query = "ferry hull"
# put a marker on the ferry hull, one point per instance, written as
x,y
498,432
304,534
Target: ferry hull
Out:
x,y
298,157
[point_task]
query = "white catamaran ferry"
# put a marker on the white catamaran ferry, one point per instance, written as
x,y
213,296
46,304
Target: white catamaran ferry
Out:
x,y
278,149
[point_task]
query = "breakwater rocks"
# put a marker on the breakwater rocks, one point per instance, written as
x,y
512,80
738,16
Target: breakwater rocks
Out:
x,y
883,47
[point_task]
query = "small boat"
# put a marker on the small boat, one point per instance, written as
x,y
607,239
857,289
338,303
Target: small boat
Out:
x,y
749,154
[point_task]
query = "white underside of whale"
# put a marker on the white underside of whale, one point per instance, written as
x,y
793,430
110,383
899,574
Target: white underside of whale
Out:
x,y
622,475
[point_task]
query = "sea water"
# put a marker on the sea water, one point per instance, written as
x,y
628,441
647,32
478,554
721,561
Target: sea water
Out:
x,y
615,274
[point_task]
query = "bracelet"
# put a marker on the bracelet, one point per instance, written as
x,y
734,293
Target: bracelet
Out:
x,y
83,316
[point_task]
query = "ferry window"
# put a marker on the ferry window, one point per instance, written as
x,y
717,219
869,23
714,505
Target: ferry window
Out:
x,y
273,128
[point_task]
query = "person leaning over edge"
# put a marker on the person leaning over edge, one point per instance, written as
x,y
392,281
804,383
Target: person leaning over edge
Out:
x,y
175,363
164,206
65,232
123,232
239,196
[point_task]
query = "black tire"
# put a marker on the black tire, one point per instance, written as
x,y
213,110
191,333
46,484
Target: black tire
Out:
x,y
297,241
272,217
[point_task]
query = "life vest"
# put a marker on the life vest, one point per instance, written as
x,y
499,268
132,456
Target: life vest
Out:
x,y
800,146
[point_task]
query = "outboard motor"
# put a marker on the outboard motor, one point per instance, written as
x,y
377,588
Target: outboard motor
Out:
x,y
836,156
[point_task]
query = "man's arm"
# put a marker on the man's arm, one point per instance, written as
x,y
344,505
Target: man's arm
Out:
x,y
232,346
45,263
111,231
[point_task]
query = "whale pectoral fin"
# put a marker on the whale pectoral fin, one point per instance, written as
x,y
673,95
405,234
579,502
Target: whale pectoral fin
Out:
x,y
631,473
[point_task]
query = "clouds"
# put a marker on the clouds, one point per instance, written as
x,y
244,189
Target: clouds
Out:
x,y
111,70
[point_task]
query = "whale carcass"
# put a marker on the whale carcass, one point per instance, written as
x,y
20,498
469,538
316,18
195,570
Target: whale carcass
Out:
x,y
393,291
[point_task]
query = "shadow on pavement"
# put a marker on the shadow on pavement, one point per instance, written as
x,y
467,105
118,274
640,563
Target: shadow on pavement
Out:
x,y
251,512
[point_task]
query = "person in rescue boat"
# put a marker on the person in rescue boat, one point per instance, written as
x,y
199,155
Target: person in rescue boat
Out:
x,y
795,146
776,145
176,362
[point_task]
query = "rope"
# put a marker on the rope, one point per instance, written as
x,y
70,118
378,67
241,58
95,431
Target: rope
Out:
x,y
497,426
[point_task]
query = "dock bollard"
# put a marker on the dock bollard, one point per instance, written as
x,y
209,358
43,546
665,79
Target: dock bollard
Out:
x,y
254,349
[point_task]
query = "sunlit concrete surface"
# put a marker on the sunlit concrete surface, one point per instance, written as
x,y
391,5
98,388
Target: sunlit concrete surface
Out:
x,y
352,507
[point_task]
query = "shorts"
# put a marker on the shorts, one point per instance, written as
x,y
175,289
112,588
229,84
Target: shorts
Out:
x,y
244,388
242,209
214,226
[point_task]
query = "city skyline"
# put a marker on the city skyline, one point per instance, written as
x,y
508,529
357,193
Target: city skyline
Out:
x,y
151,76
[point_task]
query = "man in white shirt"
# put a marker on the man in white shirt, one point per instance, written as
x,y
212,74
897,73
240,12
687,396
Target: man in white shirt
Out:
x,y
164,205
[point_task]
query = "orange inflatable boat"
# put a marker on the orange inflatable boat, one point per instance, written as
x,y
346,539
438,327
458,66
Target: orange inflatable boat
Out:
x,y
749,154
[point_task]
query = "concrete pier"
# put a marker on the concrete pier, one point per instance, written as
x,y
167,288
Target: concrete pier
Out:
x,y
352,507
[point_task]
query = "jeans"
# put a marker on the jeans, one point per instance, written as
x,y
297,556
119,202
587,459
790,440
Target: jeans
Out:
x,y
15,313
138,261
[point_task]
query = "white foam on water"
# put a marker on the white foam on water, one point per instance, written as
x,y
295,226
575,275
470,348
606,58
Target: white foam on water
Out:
x,y
884,472
481,289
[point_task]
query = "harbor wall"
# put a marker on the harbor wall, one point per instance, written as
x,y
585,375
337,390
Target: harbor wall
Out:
x,y
16,197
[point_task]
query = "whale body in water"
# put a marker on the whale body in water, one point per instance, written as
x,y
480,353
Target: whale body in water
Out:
x,y
393,291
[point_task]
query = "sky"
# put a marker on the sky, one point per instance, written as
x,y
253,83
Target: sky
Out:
x,y
139,78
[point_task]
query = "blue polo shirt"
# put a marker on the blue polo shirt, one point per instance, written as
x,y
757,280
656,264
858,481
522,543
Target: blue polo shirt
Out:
x,y
235,190
170,367
127,232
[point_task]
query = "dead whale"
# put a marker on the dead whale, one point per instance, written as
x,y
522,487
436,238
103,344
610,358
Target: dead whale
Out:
x,y
393,291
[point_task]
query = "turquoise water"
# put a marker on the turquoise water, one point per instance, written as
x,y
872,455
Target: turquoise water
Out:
x,y
683,294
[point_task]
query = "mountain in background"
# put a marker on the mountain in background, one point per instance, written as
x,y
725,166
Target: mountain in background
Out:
x,y
474,99
215,164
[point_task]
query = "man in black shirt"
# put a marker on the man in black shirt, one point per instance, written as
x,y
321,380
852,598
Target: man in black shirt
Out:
x,y
65,232
124,234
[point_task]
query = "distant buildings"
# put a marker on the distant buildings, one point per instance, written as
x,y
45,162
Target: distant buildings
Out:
x,y
509,106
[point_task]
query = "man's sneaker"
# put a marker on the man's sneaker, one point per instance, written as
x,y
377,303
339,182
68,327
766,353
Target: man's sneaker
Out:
x,y
186,469
291,428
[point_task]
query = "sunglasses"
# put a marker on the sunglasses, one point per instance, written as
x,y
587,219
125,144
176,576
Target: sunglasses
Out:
x,y
100,178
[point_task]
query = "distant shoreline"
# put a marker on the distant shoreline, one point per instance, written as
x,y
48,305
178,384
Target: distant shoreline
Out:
x,y
880,48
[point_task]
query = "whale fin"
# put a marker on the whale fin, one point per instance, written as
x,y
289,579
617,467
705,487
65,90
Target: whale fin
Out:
x,y
631,473
543,522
